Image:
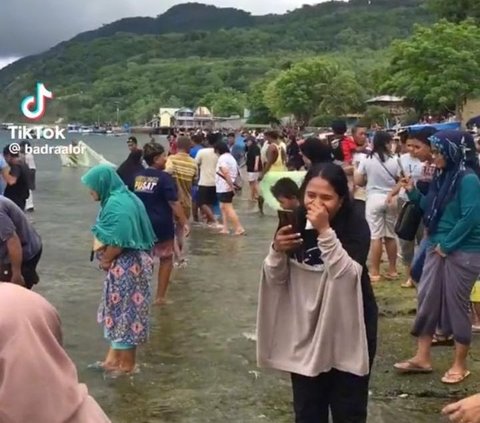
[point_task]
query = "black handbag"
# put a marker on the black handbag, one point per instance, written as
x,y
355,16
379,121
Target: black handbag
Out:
x,y
408,221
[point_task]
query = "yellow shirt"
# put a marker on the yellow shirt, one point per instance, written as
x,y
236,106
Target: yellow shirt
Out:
x,y
184,169
280,164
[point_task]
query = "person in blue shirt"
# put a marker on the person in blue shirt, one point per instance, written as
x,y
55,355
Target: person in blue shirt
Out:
x,y
237,148
158,192
197,140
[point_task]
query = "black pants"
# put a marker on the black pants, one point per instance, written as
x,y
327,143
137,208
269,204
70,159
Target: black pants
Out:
x,y
344,394
361,206
29,271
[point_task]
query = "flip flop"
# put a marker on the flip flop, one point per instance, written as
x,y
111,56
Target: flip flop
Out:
x,y
475,328
391,276
409,284
451,378
375,279
408,367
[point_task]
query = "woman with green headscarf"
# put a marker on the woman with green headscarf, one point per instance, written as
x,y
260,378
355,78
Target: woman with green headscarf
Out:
x,y
123,239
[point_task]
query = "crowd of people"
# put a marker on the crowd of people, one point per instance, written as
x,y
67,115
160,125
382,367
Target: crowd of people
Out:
x,y
342,199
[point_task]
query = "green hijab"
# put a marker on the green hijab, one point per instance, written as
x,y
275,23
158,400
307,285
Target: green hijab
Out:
x,y
123,221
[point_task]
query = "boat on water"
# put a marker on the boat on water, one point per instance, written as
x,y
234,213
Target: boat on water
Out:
x,y
86,129
73,128
144,130
88,158
5,125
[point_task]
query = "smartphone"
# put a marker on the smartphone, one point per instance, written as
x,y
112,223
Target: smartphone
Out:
x,y
289,218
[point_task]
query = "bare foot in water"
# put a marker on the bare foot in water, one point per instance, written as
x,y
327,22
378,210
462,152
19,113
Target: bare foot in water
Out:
x,y
224,232
240,232
109,366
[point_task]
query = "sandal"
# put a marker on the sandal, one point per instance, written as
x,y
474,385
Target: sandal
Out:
x,y
442,341
453,378
409,367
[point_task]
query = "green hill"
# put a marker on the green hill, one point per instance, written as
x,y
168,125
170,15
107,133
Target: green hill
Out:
x,y
193,50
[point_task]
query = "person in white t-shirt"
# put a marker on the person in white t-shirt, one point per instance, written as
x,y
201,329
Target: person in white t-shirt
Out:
x,y
207,166
359,135
379,173
417,164
226,174
410,167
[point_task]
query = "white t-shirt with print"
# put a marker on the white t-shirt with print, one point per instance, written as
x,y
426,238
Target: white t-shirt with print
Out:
x,y
228,162
381,176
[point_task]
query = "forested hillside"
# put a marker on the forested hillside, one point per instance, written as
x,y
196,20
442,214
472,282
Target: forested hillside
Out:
x,y
196,54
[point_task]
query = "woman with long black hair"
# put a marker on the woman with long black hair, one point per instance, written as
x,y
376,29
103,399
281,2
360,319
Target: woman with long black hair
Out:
x,y
379,172
311,272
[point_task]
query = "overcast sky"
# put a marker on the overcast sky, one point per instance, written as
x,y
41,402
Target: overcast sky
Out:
x,y
32,26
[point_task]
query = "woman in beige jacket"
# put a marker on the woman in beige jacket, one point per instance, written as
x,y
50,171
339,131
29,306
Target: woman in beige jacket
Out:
x,y
317,315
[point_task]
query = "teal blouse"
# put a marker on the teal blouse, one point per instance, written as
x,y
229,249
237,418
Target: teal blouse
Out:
x,y
459,226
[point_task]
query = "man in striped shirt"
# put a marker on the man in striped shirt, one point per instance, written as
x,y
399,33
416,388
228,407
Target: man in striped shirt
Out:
x,y
184,170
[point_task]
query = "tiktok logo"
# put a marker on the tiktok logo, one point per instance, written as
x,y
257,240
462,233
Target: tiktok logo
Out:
x,y
34,106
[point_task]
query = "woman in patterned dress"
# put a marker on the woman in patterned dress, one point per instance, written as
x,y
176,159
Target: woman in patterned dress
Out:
x,y
123,239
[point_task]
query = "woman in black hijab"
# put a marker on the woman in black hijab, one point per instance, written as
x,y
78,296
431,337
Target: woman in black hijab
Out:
x,y
314,151
130,168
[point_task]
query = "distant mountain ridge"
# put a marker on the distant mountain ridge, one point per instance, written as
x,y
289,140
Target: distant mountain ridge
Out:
x,y
138,61
187,17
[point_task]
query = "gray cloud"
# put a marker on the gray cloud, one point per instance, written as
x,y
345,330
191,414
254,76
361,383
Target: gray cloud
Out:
x,y
32,26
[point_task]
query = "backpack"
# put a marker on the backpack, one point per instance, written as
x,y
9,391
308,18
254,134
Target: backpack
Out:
x,y
336,147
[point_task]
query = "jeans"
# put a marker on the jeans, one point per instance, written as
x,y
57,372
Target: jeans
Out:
x,y
419,261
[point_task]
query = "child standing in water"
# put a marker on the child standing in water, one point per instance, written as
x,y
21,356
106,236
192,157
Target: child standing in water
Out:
x,y
123,239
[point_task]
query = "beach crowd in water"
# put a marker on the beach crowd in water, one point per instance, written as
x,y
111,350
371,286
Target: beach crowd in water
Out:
x,y
343,199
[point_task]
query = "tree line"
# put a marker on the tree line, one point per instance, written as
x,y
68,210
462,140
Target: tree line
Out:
x,y
305,64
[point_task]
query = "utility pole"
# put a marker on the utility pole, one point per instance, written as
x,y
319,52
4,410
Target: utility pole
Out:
x,y
118,112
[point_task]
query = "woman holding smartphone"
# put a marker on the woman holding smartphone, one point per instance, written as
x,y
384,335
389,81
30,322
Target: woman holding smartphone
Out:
x,y
307,278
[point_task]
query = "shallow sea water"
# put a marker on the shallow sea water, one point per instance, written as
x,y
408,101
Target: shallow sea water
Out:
x,y
200,363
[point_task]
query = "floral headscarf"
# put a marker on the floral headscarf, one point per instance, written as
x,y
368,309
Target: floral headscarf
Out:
x,y
457,148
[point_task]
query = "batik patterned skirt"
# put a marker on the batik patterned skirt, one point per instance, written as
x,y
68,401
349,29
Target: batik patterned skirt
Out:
x,y
125,306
